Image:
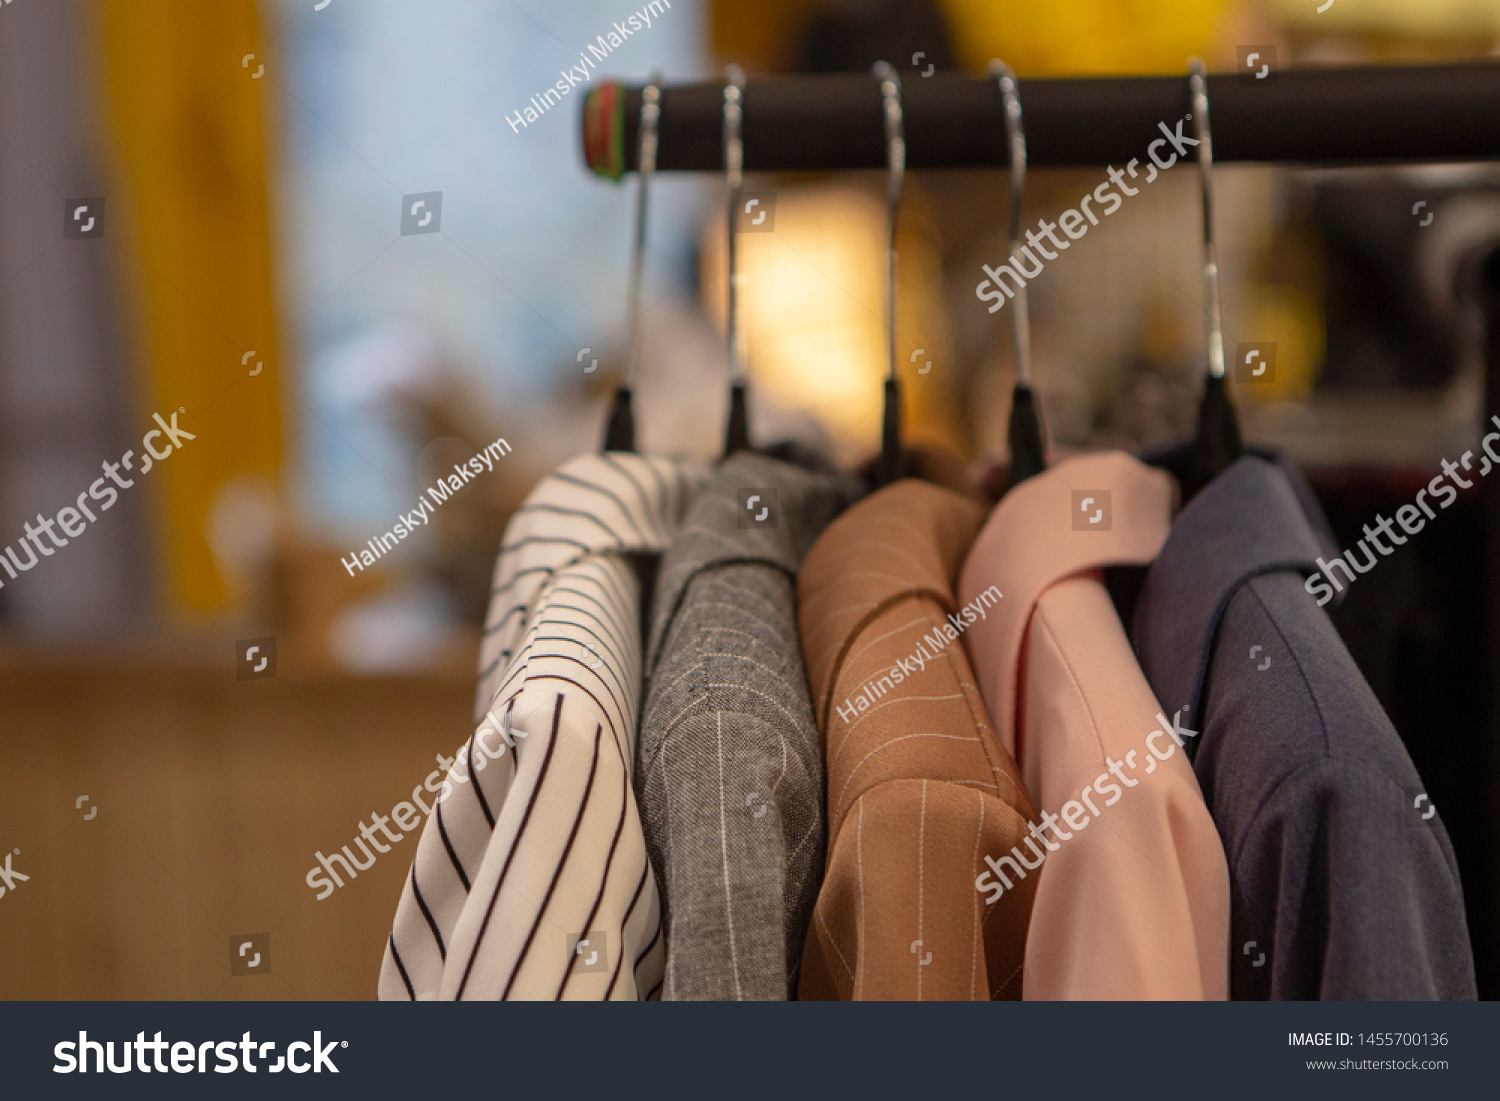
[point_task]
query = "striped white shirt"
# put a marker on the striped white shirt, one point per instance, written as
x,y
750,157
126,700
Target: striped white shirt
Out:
x,y
540,846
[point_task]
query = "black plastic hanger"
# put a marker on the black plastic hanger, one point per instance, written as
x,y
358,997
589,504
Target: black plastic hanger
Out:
x,y
1028,448
1218,444
737,432
890,466
619,432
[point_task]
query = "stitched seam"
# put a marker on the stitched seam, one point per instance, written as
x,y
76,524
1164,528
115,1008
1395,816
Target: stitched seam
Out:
x,y
1322,722
1040,620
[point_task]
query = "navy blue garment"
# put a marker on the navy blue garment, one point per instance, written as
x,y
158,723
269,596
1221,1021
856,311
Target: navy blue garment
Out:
x,y
1343,880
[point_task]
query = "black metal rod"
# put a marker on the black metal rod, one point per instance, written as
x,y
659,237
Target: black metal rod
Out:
x,y
1329,117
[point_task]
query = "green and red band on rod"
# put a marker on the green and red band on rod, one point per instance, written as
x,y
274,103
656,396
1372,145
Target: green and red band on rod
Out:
x,y
604,130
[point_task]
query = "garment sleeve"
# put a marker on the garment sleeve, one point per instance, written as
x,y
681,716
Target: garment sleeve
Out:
x,y
733,824
1362,892
1132,905
1134,900
901,916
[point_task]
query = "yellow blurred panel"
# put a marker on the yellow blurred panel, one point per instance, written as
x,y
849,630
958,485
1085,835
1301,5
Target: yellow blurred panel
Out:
x,y
761,36
186,121
1090,36
1294,321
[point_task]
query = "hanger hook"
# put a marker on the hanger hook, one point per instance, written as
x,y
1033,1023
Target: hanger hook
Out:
x,y
650,116
737,431
1218,443
734,161
1198,82
890,91
890,468
1028,444
1016,133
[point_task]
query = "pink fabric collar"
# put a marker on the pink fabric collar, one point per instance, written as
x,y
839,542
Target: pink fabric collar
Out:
x,y
1091,511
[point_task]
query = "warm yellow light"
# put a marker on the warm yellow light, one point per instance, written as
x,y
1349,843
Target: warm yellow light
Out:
x,y
813,313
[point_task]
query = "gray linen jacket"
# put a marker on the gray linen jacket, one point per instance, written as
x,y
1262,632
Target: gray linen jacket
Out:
x,y
729,773
1344,884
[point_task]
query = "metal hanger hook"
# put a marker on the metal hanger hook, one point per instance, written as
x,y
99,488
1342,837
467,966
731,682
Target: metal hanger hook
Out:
x,y
734,161
734,148
890,91
650,116
1016,133
1213,314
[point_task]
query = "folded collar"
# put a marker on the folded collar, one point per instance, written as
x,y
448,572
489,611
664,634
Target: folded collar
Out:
x,y
1255,518
905,541
597,504
1042,533
616,502
720,530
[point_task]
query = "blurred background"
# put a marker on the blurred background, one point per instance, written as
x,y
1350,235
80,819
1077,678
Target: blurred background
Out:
x,y
248,164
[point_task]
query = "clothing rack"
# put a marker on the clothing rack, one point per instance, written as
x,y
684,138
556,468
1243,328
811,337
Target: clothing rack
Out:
x,y
1325,117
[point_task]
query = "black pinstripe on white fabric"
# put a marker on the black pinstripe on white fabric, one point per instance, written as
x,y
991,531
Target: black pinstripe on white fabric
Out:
x,y
540,845
730,775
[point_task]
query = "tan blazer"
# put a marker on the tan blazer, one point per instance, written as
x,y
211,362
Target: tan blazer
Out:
x,y
919,788
1133,900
